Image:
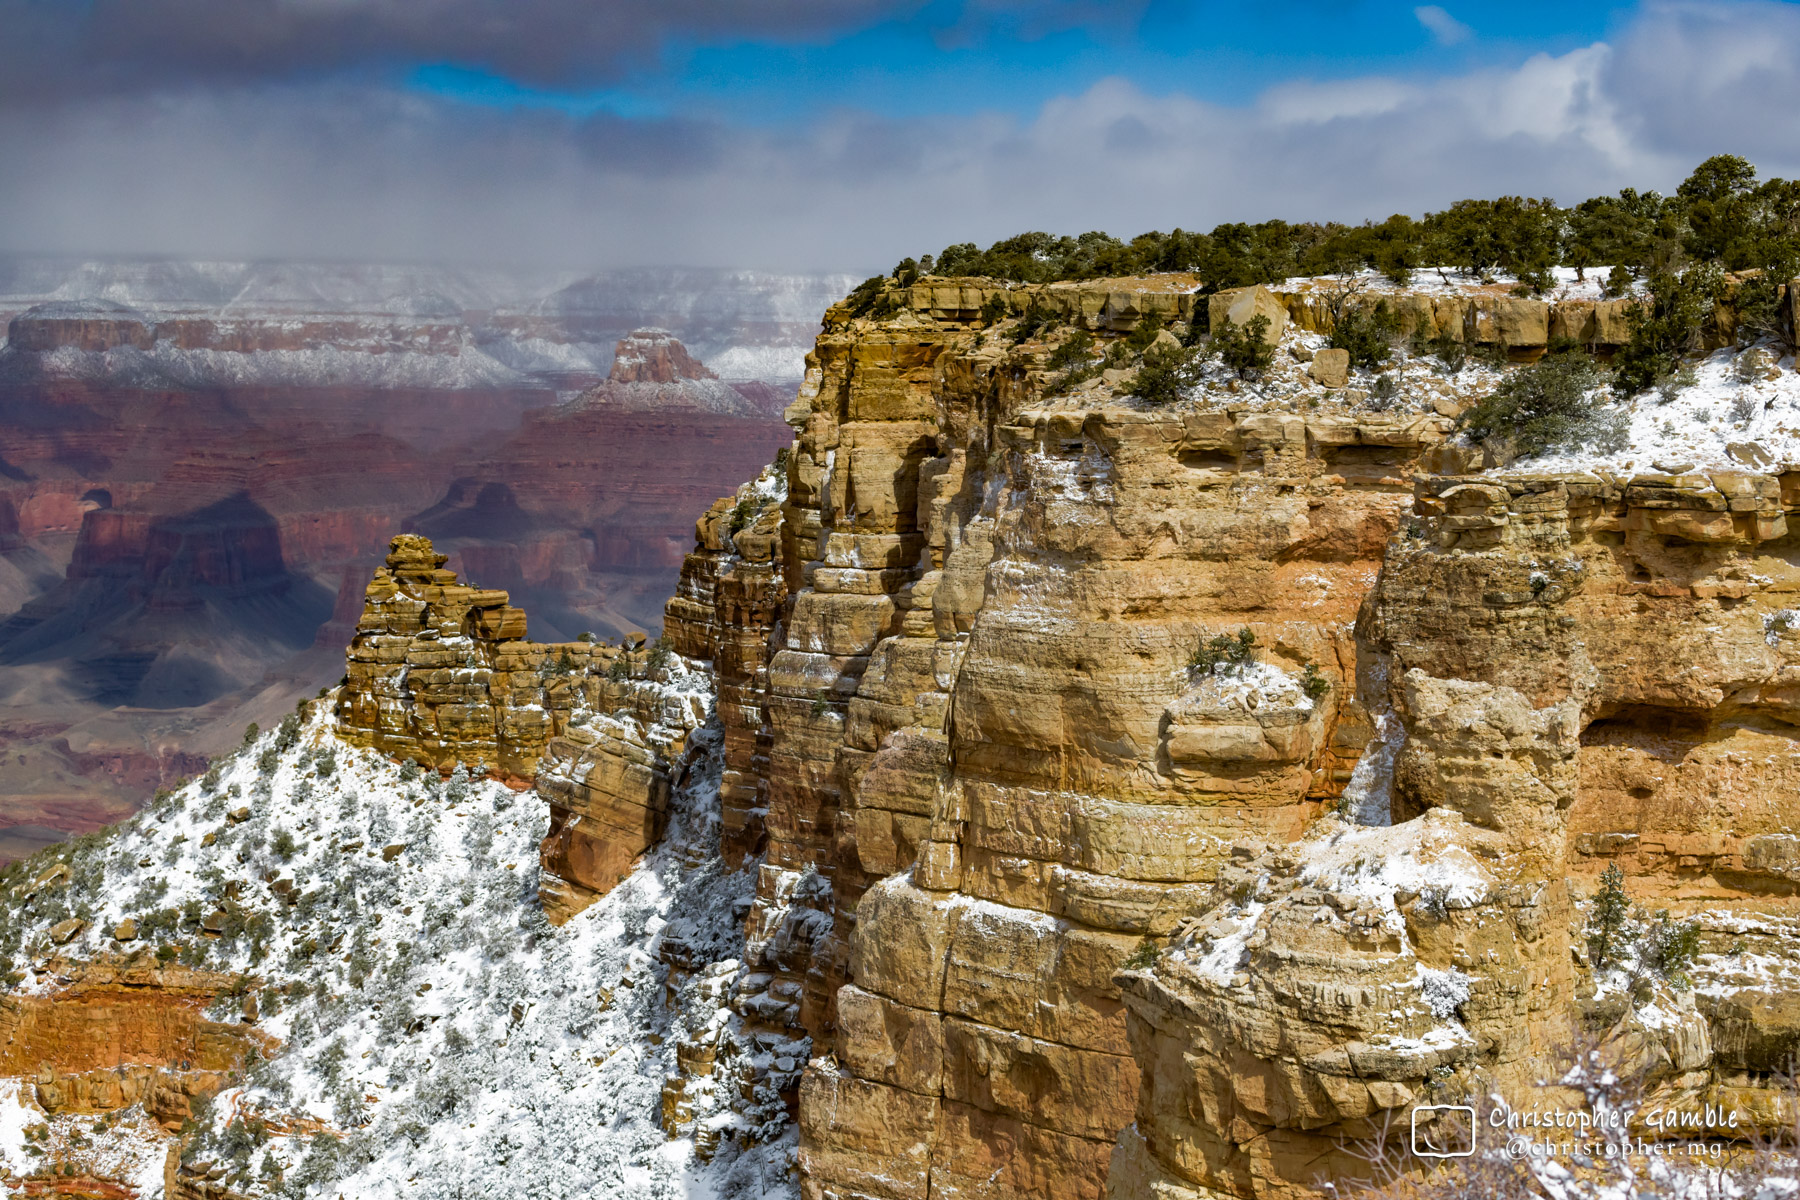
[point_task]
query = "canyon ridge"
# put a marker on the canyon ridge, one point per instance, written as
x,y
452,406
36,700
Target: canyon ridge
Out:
x,y
1038,790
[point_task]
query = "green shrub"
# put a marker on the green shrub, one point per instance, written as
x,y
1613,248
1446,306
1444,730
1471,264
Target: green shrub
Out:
x,y
287,735
1550,405
1224,654
1368,334
1312,683
282,843
250,733
662,653
620,670
1670,325
1244,350
1143,333
1385,392
1449,351
1142,958
863,297
1034,318
1514,233
993,309
1606,923
1534,281
1074,351
742,513
1759,302
1166,371
1669,947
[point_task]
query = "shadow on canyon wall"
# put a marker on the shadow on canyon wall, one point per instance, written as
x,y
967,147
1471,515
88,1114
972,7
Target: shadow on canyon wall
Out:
x,y
176,563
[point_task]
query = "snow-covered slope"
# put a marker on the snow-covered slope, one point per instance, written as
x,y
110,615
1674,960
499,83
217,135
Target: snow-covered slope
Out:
x,y
518,326
164,365
440,1038
1743,399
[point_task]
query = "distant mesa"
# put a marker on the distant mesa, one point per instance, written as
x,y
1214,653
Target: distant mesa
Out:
x,y
653,371
654,356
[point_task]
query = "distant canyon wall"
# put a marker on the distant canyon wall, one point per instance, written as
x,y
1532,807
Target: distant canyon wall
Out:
x,y
191,503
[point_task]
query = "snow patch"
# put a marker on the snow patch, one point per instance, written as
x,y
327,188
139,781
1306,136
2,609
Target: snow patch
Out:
x,y
1369,796
442,1035
1443,991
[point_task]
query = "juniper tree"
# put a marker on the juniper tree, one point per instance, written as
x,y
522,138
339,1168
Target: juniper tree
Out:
x,y
1607,919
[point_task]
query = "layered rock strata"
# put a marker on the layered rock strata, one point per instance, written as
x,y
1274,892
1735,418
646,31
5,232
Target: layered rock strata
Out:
x,y
926,491
991,768
123,1033
730,596
1475,315
1004,599
1578,670
442,674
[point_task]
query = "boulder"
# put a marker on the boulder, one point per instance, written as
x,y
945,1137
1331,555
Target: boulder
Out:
x,y
1750,454
1242,305
1330,368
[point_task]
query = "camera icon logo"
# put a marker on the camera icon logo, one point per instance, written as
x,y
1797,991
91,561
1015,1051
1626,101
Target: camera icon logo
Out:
x,y
1443,1130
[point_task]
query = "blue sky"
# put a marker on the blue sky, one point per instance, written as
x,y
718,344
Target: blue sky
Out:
x,y
942,61
840,134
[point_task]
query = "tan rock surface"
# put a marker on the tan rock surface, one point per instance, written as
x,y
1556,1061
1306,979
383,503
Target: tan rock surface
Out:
x,y
986,772
1330,368
442,674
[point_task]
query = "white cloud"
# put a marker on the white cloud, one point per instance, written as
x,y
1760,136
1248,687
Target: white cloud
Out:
x,y
1333,100
343,171
1445,28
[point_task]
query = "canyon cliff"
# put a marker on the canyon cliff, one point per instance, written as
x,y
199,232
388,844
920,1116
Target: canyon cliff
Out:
x,y
1078,796
1102,922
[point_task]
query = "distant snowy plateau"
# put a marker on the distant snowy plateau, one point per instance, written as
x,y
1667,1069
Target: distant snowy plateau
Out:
x,y
180,324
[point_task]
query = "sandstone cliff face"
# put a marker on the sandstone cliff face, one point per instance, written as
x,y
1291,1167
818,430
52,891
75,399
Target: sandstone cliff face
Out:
x,y
1005,595
1536,642
442,674
980,725
130,1032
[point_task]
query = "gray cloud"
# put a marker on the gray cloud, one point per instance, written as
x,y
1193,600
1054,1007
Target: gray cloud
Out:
x,y
63,48
68,48
358,170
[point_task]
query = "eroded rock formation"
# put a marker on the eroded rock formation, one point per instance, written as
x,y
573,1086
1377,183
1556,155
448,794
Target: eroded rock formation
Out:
x,y
117,1034
443,674
1160,801
982,727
